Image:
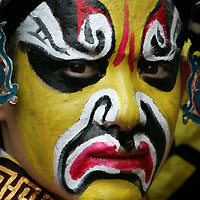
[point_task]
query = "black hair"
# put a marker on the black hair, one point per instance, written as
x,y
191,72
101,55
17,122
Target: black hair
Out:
x,y
14,12
189,12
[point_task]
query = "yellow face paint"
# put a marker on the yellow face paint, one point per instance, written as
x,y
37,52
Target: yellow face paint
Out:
x,y
63,137
111,189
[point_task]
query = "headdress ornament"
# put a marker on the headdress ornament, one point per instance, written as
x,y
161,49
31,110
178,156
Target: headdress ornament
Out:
x,y
190,15
19,9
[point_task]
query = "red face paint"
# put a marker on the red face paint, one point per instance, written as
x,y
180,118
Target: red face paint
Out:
x,y
161,17
131,52
104,155
125,36
83,10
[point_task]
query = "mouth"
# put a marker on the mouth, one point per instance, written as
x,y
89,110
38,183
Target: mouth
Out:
x,y
89,151
100,154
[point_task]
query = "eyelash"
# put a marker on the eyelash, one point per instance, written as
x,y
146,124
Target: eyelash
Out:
x,y
153,70
66,76
159,74
81,70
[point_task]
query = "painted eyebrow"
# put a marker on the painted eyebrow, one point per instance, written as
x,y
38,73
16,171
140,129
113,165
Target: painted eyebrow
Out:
x,y
52,70
43,55
42,28
162,33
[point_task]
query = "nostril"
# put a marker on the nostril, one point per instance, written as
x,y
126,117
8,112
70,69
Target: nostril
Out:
x,y
128,145
125,138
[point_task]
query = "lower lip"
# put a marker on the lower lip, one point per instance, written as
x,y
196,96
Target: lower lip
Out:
x,y
104,155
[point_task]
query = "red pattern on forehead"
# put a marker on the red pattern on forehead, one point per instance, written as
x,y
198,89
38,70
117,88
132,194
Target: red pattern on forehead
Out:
x,y
83,10
122,47
125,37
131,52
161,17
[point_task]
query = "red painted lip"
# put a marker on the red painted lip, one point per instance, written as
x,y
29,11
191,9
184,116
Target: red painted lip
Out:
x,y
105,155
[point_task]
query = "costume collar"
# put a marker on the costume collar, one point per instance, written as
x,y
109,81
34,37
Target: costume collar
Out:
x,y
15,183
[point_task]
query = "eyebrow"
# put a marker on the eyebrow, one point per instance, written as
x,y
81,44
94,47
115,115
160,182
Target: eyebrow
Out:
x,y
44,29
161,40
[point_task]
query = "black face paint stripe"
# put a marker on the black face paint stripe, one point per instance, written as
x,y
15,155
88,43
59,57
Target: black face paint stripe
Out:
x,y
166,83
88,31
52,70
102,101
154,132
92,130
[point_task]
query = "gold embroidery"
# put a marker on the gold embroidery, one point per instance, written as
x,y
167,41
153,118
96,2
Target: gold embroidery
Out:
x,y
13,186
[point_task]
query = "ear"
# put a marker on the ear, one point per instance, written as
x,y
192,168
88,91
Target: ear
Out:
x,y
3,111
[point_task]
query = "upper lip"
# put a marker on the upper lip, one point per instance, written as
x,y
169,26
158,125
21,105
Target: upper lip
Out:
x,y
121,154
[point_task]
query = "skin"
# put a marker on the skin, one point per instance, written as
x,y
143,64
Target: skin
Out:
x,y
47,112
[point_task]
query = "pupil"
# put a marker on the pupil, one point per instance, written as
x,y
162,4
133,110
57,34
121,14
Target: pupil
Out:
x,y
151,70
77,68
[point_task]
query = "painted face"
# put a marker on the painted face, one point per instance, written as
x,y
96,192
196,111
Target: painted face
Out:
x,y
99,93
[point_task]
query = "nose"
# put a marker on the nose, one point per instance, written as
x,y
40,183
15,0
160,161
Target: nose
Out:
x,y
125,138
124,82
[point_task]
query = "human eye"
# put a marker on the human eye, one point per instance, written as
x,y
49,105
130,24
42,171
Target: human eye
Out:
x,y
67,76
159,74
77,69
153,70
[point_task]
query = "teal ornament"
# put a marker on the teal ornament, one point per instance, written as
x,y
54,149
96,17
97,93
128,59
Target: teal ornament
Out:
x,y
191,110
2,75
8,91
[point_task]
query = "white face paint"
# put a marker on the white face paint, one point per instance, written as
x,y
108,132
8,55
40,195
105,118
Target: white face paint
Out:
x,y
98,23
157,30
103,151
162,121
41,29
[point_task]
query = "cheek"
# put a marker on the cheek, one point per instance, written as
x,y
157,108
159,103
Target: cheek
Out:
x,y
168,103
171,105
46,113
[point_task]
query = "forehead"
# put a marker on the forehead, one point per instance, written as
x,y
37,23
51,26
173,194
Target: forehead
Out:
x,y
123,14
65,19
135,12
138,8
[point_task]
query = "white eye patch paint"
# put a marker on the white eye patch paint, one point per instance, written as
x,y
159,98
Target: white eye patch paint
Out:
x,y
153,30
98,23
156,30
42,29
